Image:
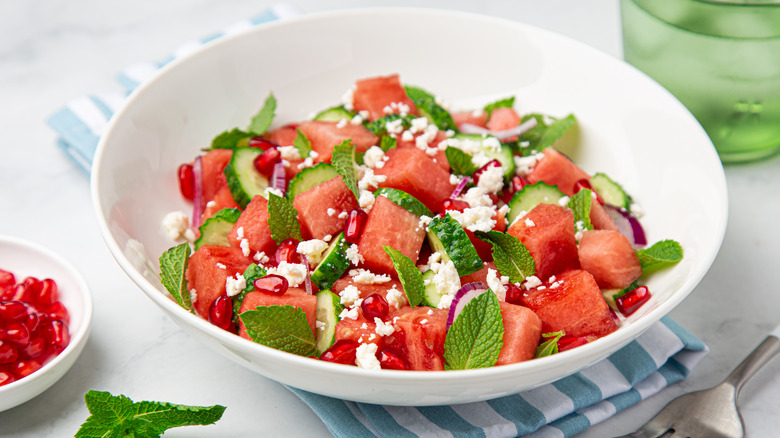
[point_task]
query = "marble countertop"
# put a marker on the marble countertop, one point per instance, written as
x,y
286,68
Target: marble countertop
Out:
x,y
55,50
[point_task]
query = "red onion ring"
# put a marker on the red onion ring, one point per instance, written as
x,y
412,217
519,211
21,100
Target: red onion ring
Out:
x,y
628,225
463,296
278,180
459,189
197,198
468,128
307,281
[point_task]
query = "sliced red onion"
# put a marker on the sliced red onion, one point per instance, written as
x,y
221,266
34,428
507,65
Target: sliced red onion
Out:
x,y
463,296
628,225
468,128
278,180
458,190
197,198
307,281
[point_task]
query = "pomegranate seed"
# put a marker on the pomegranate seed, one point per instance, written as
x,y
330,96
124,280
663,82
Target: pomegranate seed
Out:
x,y
390,359
264,163
58,311
514,294
19,292
453,204
37,347
632,300
8,353
569,342
24,368
48,293
375,306
57,334
343,351
515,185
477,173
288,252
12,311
6,377
262,143
221,312
585,184
17,333
6,278
32,321
186,181
272,284
354,225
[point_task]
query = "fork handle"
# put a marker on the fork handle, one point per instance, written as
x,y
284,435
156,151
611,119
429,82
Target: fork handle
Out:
x,y
759,357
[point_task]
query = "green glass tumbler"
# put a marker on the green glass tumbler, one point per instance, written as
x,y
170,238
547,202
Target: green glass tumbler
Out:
x,y
721,59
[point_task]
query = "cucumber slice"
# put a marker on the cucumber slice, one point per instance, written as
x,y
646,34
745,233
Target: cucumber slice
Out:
x,y
405,200
310,177
428,108
334,263
609,191
328,309
335,114
503,155
215,229
431,296
243,179
446,236
530,196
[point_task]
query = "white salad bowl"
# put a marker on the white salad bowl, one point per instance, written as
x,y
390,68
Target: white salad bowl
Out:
x,y
25,259
629,127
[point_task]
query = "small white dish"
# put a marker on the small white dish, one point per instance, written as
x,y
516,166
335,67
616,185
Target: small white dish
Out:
x,y
24,259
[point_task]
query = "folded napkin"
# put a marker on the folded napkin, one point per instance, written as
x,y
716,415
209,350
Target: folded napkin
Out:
x,y
664,354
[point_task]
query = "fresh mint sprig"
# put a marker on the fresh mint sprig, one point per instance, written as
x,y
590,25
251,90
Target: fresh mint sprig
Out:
x,y
476,336
262,120
660,255
230,139
460,162
510,255
544,134
409,276
302,144
580,204
550,345
283,219
344,161
281,327
173,265
508,102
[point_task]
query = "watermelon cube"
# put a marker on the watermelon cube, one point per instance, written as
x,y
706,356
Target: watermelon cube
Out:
x,y
222,199
207,271
324,136
213,163
391,225
573,303
369,289
502,119
470,117
313,205
252,225
377,93
557,169
548,233
610,258
440,158
413,171
419,337
283,136
293,297
522,332
600,219
359,330
480,275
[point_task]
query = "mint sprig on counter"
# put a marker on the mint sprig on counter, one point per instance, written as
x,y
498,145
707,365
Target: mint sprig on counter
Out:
x,y
173,265
476,336
282,327
344,161
660,255
580,204
283,219
302,144
409,276
262,120
118,416
510,255
550,345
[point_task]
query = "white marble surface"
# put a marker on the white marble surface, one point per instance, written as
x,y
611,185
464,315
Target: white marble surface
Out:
x,y
55,50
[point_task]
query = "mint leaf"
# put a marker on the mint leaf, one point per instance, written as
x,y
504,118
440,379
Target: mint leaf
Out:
x,y
550,346
410,277
388,143
460,162
580,205
510,255
262,120
118,416
476,336
379,126
173,265
282,219
282,327
545,134
660,255
344,161
427,106
230,139
508,102
302,144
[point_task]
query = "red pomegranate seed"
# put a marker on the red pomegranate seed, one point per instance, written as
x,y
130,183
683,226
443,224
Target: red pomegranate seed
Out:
x,y
375,306
36,348
6,377
58,311
262,143
514,294
32,321
6,279
287,252
19,292
57,334
272,284
569,342
24,368
221,312
186,181
477,173
48,294
632,300
515,185
354,225
585,184
264,163
12,311
17,333
390,359
453,204
8,353
343,351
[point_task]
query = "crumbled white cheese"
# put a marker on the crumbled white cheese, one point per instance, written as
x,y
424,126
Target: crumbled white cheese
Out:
x,y
260,257
424,222
342,123
395,297
429,312
496,284
176,225
349,295
357,120
234,285
343,215
396,107
289,152
268,190
383,328
480,159
364,326
529,222
366,357
366,200
636,210
579,227
211,204
418,125
423,140
364,276
407,136
394,126
244,245
424,321
295,273
492,179
475,219
347,99
370,179
524,165
349,313
354,256
327,238
320,325
532,282
373,156
455,179
313,250
563,201
221,265
446,280
331,211
476,197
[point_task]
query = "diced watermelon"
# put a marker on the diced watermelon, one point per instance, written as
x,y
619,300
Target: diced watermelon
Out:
x,y
480,275
293,297
557,169
213,163
253,226
283,136
414,172
207,272
440,158
392,225
502,119
368,289
420,337
610,258
313,204
222,199
470,117
324,136
374,94
575,305
522,331
359,330
600,219
548,233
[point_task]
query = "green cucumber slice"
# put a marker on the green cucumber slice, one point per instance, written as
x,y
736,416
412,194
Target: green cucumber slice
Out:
x,y
609,191
405,200
328,310
215,229
431,296
503,155
334,263
244,181
310,177
446,236
428,108
530,196
335,114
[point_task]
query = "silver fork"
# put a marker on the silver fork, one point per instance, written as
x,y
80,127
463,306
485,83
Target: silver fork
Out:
x,y
711,413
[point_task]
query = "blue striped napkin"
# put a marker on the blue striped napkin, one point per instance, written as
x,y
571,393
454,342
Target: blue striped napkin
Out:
x,y
665,354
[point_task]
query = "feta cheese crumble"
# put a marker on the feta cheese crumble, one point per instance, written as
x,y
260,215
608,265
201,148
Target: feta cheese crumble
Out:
x,y
366,357
492,179
383,328
234,285
295,273
395,297
354,256
475,219
364,276
313,250
176,224
349,295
